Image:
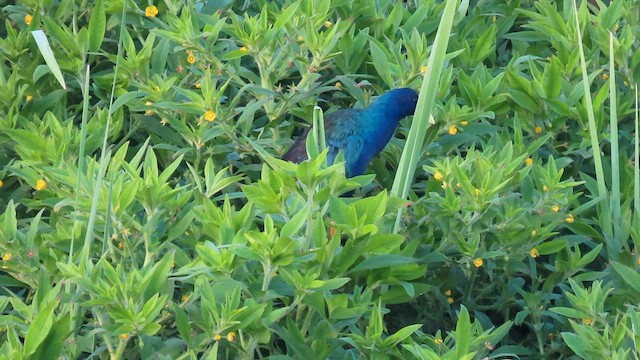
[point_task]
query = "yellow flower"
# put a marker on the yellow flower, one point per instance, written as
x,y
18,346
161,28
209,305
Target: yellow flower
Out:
x,y
299,38
184,298
605,76
1,183
555,208
423,70
464,123
217,337
534,253
151,11
438,176
198,86
148,103
210,115
121,245
29,97
41,184
124,336
478,262
231,336
528,162
438,341
534,232
6,256
447,293
453,130
244,49
338,84
148,112
28,19
450,300
328,24
587,321
191,59
493,19
164,121
616,27
570,219
444,185
545,188
538,130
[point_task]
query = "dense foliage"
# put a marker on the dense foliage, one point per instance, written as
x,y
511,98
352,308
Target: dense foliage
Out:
x,y
144,213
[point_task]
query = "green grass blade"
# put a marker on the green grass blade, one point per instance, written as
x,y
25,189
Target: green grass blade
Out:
x,y
615,150
45,49
415,140
612,247
636,167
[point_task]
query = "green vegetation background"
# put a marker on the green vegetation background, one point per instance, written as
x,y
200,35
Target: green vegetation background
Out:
x,y
142,216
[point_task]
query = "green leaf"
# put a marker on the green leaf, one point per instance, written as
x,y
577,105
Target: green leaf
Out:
x,y
39,328
401,334
383,261
463,333
45,49
630,276
97,26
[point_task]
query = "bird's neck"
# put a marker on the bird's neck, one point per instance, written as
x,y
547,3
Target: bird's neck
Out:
x,y
380,124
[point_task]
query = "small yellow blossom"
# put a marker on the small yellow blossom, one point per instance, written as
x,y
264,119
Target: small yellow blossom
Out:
x,y
210,115
534,253
453,130
447,293
231,336
41,184
148,103
121,245
184,298
587,321
151,11
244,49
538,130
29,97
528,162
164,121
338,84
458,185
423,69
534,232
198,86
464,123
438,176
494,19
450,300
328,24
555,208
217,337
444,185
300,38
28,19
438,341
200,144
124,336
6,256
1,183
616,27
478,262
545,188
569,219
191,59
148,112
605,76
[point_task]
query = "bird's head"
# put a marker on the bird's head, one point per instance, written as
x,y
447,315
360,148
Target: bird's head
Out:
x,y
399,102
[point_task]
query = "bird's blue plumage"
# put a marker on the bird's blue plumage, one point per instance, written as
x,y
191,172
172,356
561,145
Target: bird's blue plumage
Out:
x,y
361,133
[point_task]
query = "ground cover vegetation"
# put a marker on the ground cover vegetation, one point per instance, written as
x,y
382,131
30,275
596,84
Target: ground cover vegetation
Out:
x,y
145,214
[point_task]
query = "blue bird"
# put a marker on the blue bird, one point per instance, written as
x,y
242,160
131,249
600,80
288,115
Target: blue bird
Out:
x,y
360,133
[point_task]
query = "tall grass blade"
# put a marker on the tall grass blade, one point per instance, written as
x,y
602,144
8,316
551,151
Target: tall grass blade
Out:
x,y
49,57
615,150
415,140
613,246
